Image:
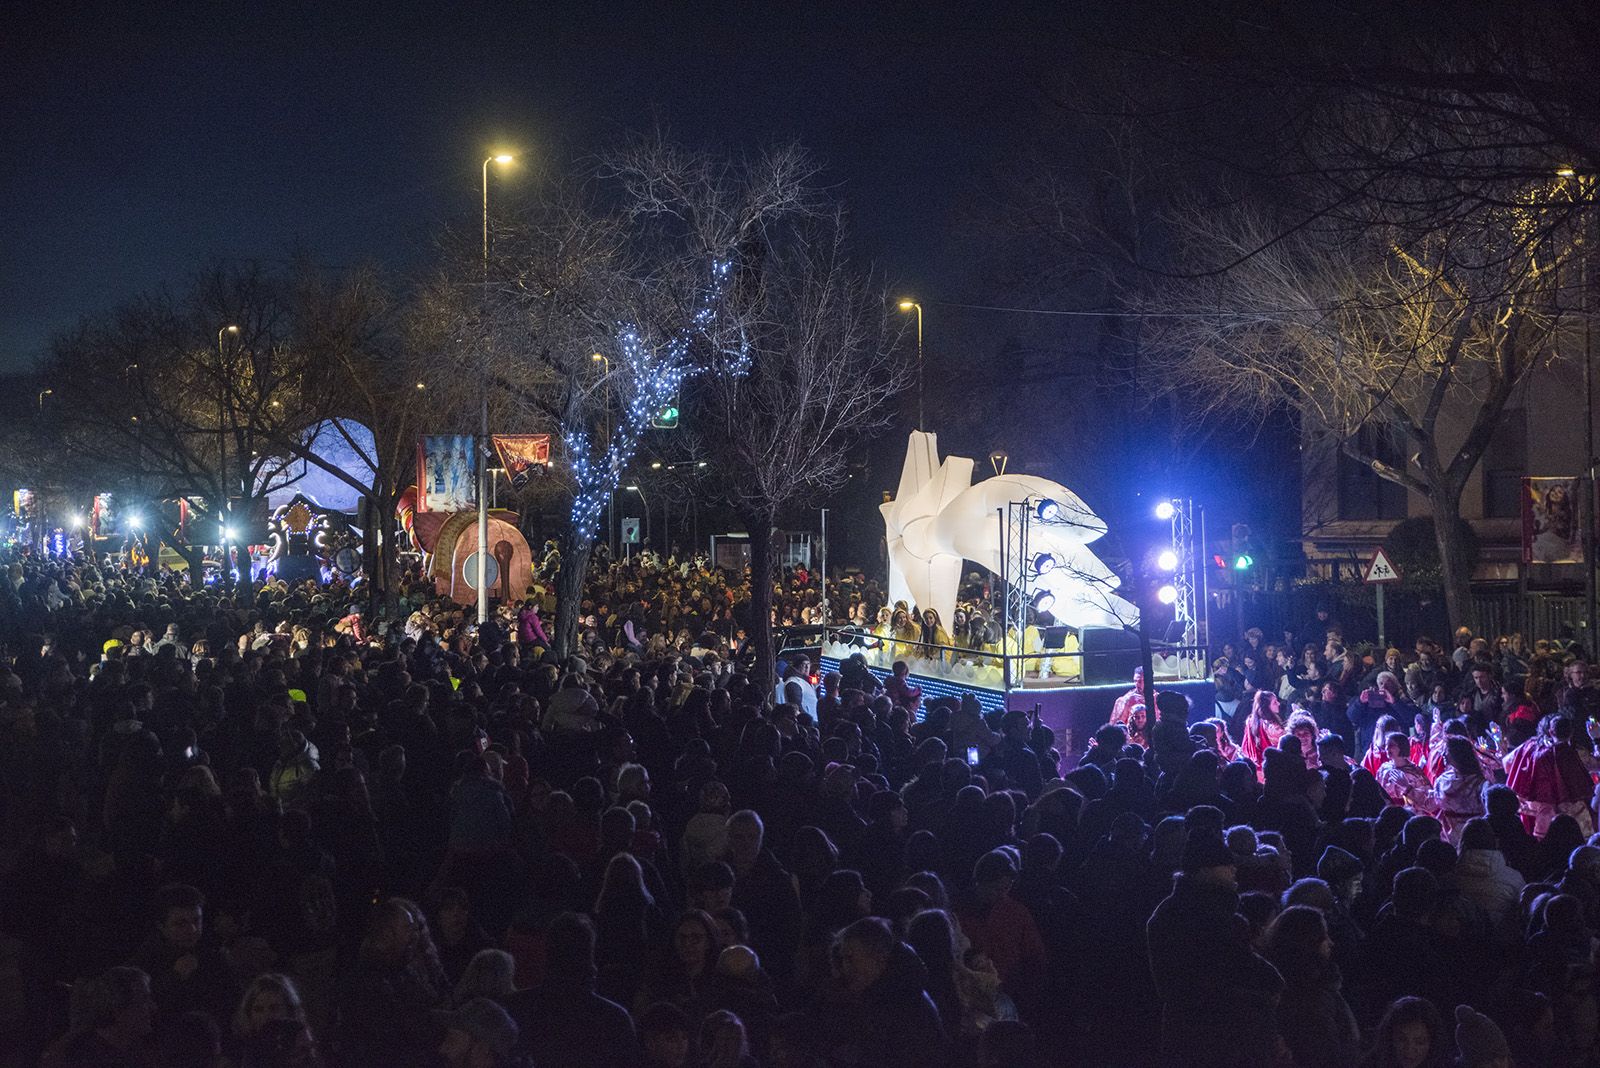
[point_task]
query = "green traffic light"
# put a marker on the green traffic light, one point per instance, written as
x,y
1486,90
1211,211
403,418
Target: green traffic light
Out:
x,y
1243,562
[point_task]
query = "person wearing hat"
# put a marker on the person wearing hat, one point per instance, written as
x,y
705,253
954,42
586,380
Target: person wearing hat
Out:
x,y
480,1034
1480,1040
1217,995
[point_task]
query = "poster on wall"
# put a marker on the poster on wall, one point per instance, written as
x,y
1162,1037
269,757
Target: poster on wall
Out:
x,y
521,455
1551,532
447,473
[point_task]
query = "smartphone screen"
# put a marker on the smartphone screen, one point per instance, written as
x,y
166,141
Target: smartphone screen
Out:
x,y
972,755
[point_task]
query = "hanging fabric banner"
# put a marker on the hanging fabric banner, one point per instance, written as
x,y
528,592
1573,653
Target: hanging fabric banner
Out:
x,y
522,455
447,473
1551,532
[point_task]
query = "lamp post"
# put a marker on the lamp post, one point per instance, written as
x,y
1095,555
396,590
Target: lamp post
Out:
x,y
1590,538
43,393
611,515
222,453
481,580
911,305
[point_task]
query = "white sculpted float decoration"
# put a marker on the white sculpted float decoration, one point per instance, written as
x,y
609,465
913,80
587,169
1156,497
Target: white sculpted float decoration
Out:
x,y
939,518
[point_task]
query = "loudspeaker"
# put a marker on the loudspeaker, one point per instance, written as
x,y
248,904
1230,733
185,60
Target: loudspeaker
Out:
x,y
1110,655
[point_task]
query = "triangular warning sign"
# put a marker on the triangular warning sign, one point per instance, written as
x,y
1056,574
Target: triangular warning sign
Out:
x,y
1380,569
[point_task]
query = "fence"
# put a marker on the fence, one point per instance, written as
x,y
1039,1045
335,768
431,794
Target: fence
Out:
x,y
1408,613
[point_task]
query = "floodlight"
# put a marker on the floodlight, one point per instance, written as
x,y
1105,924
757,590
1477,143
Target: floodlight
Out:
x,y
1167,594
1164,510
1168,560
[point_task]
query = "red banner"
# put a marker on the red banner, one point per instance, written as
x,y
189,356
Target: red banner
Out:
x,y
522,455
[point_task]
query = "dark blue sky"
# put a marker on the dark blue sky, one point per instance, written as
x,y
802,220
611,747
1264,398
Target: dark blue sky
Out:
x,y
142,140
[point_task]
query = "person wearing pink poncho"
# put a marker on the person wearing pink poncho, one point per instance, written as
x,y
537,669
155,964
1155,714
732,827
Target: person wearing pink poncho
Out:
x,y
1552,776
1262,729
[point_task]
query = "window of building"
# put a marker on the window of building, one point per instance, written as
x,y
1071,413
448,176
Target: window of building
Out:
x,y
1505,461
1362,494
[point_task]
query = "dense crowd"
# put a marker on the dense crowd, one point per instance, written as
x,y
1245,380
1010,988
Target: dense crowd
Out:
x,y
267,832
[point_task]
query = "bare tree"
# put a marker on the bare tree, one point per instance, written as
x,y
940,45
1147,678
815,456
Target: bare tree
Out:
x,y
818,375
604,302
1424,340
175,396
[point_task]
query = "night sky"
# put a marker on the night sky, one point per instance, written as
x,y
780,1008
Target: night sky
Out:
x,y
141,142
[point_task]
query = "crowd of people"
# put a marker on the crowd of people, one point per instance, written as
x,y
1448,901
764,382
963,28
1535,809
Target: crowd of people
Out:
x,y
266,832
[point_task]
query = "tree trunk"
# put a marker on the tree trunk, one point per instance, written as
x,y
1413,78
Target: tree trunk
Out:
x,y
1455,568
575,554
760,623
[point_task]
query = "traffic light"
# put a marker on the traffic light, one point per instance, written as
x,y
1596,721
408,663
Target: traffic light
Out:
x,y
1242,555
666,417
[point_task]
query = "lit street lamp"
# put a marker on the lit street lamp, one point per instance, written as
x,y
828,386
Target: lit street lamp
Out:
x,y
43,393
482,578
911,305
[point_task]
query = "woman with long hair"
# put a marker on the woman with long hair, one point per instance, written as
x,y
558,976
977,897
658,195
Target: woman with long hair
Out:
x,y
625,918
1263,727
1410,1035
1314,1020
968,999
1458,791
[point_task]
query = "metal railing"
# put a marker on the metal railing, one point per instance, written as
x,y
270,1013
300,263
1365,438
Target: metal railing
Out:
x,y
991,669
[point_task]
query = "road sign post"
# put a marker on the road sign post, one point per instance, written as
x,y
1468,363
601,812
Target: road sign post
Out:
x,y
1379,572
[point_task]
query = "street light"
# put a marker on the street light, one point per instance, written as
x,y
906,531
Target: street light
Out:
x,y
482,579
911,305
43,393
1590,589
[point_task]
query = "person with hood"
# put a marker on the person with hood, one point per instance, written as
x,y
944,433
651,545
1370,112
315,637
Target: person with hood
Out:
x,y
1217,995
530,628
297,766
886,1018
1480,1040
1557,780
1313,1019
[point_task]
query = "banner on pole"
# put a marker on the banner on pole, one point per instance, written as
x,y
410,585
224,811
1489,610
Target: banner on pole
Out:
x,y
522,455
1551,532
447,473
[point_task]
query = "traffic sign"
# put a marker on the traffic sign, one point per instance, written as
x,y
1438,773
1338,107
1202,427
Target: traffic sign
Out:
x,y
1380,569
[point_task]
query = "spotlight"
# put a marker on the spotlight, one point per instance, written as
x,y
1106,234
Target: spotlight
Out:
x,y
135,522
1048,510
77,522
229,533
1043,601
1044,563
1167,594
1164,510
1168,560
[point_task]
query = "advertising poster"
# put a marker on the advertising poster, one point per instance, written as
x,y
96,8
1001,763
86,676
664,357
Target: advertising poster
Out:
x,y
447,474
521,455
1551,530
